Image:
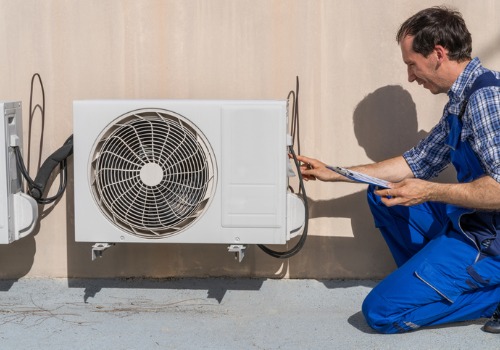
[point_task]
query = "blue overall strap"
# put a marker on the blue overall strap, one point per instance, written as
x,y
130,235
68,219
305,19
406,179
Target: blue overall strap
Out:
x,y
484,80
481,227
462,156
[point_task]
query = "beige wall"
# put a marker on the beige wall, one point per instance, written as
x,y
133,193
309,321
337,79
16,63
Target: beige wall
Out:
x,y
353,86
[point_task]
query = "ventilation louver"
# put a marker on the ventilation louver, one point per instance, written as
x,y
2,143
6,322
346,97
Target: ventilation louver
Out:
x,y
152,173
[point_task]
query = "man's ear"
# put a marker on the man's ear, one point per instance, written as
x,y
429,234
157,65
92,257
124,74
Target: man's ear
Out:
x,y
441,53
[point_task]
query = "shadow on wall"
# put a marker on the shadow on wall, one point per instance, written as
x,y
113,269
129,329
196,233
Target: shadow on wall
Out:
x,y
16,259
385,125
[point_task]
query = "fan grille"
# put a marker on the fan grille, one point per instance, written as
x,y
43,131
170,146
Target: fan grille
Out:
x,y
152,173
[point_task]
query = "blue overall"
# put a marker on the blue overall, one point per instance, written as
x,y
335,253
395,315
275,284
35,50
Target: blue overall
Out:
x,y
447,256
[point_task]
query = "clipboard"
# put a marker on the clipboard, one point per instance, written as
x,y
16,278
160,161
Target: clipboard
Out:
x,y
359,177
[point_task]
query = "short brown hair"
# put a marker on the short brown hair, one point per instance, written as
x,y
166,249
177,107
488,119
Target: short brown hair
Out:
x,y
438,26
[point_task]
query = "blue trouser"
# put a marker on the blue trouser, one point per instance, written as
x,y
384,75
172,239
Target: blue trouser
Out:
x,y
418,237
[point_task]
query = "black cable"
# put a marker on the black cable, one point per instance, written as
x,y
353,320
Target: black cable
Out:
x,y
303,237
21,167
292,128
42,107
33,110
36,188
57,158
295,136
296,131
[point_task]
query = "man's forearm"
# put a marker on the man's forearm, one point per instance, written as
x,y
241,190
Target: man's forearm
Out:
x,y
393,170
483,193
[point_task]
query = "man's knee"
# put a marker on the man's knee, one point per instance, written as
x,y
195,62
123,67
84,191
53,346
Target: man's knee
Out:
x,y
379,315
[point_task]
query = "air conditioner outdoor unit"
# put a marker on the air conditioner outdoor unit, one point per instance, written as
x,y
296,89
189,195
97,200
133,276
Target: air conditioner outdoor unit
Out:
x,y
183,171
18,211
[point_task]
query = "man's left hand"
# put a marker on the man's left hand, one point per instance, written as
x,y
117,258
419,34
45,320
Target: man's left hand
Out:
x,y
407,192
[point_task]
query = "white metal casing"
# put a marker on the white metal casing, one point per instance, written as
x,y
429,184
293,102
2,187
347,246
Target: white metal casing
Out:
x,y
249,144
18,211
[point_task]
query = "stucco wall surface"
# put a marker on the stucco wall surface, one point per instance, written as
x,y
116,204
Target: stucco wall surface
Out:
x,y
356,106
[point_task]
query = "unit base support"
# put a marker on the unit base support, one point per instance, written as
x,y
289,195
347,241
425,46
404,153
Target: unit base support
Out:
x,y
99,248
238,250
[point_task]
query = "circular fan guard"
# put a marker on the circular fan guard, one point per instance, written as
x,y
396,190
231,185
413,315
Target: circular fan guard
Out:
x,y
153,173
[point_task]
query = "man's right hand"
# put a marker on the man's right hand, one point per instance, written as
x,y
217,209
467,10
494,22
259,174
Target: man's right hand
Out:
x,y
312,169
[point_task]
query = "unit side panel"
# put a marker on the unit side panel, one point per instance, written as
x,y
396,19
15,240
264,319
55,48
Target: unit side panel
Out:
x,y
10,179
4,197
252,180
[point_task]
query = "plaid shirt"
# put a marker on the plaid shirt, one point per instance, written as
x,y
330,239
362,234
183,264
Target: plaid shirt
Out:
x,y
481,128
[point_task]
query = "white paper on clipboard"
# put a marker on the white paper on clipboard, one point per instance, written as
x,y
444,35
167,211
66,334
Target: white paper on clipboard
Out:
x,y
359,177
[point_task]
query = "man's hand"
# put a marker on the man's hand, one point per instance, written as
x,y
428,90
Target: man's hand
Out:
x,y
312,169
482,193
407,192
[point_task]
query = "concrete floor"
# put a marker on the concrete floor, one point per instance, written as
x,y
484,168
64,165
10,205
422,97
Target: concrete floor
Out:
x,y
206,314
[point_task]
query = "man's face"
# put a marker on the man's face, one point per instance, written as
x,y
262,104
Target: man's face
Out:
x,y
423,70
